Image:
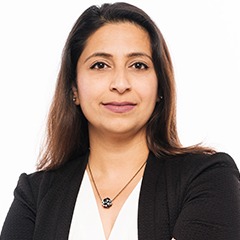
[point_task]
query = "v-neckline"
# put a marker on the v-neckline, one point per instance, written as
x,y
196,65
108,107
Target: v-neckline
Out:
x,y
120,219
86,221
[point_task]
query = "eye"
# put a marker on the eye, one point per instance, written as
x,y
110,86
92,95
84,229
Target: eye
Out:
x,y
140,65
99,65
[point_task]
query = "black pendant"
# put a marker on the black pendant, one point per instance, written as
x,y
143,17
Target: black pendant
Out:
x,y
107,202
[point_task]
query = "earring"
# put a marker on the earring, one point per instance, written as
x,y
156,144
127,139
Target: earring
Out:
x,y
160,98
74,99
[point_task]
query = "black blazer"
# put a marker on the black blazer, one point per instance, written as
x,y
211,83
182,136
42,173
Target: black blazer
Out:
x,y
189,197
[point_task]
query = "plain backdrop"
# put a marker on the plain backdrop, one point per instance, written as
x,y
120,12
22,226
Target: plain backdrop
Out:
x,y
204,41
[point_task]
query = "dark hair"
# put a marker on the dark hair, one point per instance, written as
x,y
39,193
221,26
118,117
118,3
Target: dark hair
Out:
x,y
67,128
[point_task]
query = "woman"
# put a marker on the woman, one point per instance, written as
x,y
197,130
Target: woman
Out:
x,y
113,166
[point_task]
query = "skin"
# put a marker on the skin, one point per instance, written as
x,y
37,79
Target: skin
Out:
x,y
117,92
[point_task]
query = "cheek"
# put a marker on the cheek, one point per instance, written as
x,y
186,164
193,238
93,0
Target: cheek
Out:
x,y
149,91
89,91
85,99
84,87
84,93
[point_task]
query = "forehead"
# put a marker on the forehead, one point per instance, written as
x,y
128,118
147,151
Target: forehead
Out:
x,y
123,36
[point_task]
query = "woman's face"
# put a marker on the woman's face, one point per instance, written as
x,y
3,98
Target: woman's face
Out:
x,y
116,80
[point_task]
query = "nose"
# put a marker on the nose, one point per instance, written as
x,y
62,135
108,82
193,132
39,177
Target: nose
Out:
x,y
120,82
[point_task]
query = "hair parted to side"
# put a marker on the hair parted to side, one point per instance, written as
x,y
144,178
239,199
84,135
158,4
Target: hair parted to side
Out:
x,y
67,127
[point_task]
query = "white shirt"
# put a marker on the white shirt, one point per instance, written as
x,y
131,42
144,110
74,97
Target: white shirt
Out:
x,y
86,222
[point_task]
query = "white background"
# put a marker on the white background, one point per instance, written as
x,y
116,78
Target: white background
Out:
x,y
204,42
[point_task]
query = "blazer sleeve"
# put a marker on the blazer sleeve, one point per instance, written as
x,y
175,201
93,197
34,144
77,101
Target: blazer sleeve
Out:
x,y
211,203
20,221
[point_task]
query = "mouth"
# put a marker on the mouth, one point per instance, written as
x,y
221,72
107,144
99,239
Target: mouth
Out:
x,y
119,107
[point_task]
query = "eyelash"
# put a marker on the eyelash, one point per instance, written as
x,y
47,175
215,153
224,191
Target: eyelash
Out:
x,y
98,64
143,66
136,65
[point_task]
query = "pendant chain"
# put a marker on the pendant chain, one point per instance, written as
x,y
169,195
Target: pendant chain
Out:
x,y
107,202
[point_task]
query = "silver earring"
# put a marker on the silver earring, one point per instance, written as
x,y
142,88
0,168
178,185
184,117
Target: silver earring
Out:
x,y
160,98
74,99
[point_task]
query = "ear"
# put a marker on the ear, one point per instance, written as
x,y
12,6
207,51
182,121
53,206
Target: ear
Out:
x,y
75,96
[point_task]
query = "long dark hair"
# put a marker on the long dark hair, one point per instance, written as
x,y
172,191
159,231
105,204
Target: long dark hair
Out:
x,y
67,128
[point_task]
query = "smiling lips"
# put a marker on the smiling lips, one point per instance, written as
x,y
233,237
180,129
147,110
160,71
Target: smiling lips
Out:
x,y
119,107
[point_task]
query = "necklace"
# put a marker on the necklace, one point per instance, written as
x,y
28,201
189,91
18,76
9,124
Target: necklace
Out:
x,y
107,202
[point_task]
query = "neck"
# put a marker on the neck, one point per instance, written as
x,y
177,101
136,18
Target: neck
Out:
x,y
109,155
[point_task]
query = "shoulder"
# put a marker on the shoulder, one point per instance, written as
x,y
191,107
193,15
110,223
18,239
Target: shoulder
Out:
x,y
190,163
188,172
218,158
34,186
209,172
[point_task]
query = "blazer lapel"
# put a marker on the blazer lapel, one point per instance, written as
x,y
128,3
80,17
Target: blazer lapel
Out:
x,y
69,195
153,221
56,208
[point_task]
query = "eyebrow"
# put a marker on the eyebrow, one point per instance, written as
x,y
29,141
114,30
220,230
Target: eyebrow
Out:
x,y
98,54
107,55
139,54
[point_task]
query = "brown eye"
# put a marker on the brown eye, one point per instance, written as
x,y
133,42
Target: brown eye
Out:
x,y
140,65
99,65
